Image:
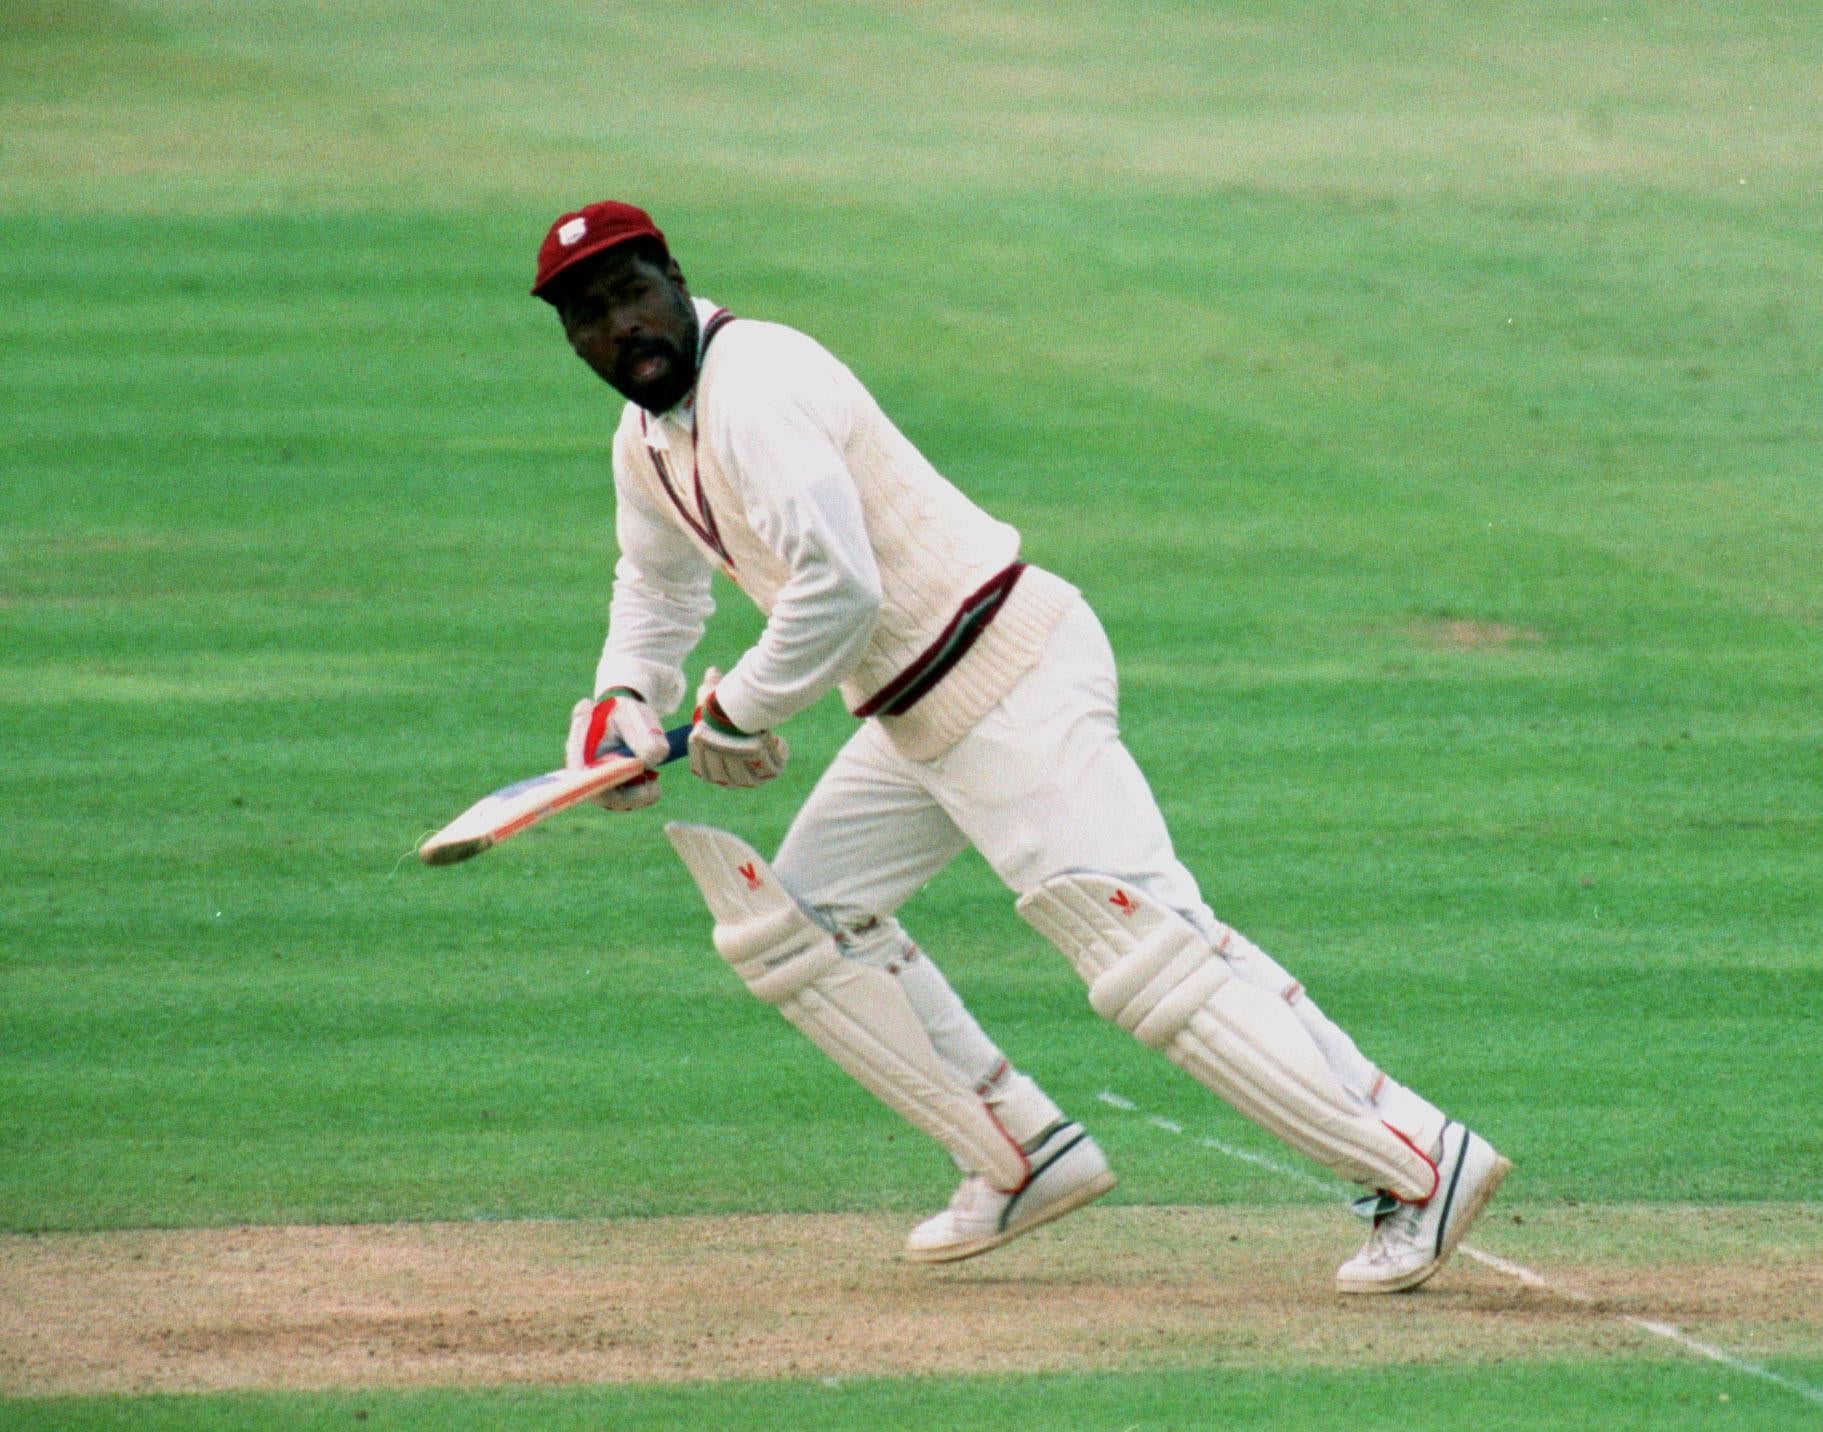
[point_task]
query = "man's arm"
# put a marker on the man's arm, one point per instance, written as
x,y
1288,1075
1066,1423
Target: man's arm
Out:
x,y
661,602
780,441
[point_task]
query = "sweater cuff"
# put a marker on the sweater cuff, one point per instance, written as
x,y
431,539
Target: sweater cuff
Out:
x,y
738,705
663,685
718,720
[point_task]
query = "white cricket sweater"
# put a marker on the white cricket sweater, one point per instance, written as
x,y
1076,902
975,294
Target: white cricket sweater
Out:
x,y
872,569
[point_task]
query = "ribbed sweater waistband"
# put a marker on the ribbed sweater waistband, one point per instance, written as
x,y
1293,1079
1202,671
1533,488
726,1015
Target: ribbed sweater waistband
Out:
x,y
932,664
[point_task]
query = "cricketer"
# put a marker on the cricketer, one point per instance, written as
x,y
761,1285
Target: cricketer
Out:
x,y
986,695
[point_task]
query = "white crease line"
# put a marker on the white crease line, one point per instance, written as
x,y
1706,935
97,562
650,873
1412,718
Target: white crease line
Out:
x,y
1812,1395
1670,1331
1296,1175
1171,1126
1517,1271
1523,1274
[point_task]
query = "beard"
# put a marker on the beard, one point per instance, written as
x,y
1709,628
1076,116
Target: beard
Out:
x,y
658,373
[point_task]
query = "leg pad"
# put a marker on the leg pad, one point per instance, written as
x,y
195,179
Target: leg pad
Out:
x,y
1151,972
856,1014
1154,989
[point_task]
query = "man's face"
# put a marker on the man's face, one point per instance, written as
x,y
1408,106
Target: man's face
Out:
x,y
632,321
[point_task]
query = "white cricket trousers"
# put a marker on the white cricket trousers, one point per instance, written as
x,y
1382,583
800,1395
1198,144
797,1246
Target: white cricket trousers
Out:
x,y
1042,786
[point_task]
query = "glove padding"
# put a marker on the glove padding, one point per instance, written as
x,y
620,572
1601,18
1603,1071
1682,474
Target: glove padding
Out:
x,y
598,725
725,756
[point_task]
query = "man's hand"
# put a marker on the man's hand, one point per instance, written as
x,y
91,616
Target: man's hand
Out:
x,y
618,716
723,754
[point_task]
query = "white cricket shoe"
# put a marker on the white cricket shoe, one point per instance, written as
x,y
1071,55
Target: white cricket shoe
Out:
x,y
1068,1170
1411,1241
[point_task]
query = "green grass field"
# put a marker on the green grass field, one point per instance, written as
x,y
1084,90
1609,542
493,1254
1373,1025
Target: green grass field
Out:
x,y
1426,397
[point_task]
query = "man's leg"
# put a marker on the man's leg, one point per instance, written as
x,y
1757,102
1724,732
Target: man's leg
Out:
x,y
1045,787
869,837
866,840
1073,798
1409,1112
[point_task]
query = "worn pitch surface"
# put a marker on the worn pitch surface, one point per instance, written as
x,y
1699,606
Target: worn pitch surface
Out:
x,y
680,1299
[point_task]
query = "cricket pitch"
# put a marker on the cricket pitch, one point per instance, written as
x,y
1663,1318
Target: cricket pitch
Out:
x,y
753,1296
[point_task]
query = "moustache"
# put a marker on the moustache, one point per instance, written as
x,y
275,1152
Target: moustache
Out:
x,y
652,347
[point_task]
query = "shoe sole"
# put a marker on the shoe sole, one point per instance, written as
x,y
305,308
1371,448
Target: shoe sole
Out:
x,y
1471,1210
956,1252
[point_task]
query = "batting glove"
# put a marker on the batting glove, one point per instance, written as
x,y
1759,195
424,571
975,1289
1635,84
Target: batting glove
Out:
x,y
723,754
620,716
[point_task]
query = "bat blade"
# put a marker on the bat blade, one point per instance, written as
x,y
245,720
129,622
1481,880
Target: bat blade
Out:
x,y
502,814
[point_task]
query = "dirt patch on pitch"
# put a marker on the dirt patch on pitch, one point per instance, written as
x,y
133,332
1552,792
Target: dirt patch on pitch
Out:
x,y
779,1296
1466,634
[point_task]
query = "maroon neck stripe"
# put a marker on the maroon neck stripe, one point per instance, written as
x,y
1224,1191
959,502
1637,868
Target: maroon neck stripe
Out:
x,y
702,521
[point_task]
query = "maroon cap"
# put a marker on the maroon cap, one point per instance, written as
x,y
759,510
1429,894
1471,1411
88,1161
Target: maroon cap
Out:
x,y
587,232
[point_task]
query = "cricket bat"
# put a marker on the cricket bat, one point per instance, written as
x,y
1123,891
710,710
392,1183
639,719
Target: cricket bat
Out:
x,y
502,814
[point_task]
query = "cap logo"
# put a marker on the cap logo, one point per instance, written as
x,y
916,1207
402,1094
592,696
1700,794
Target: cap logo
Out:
x,y
571,231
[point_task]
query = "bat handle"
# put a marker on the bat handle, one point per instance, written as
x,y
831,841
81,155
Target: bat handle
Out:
x,y
677,736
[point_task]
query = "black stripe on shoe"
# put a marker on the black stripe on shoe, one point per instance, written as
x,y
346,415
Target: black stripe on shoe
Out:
x,y
1038,1169
1455,1178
